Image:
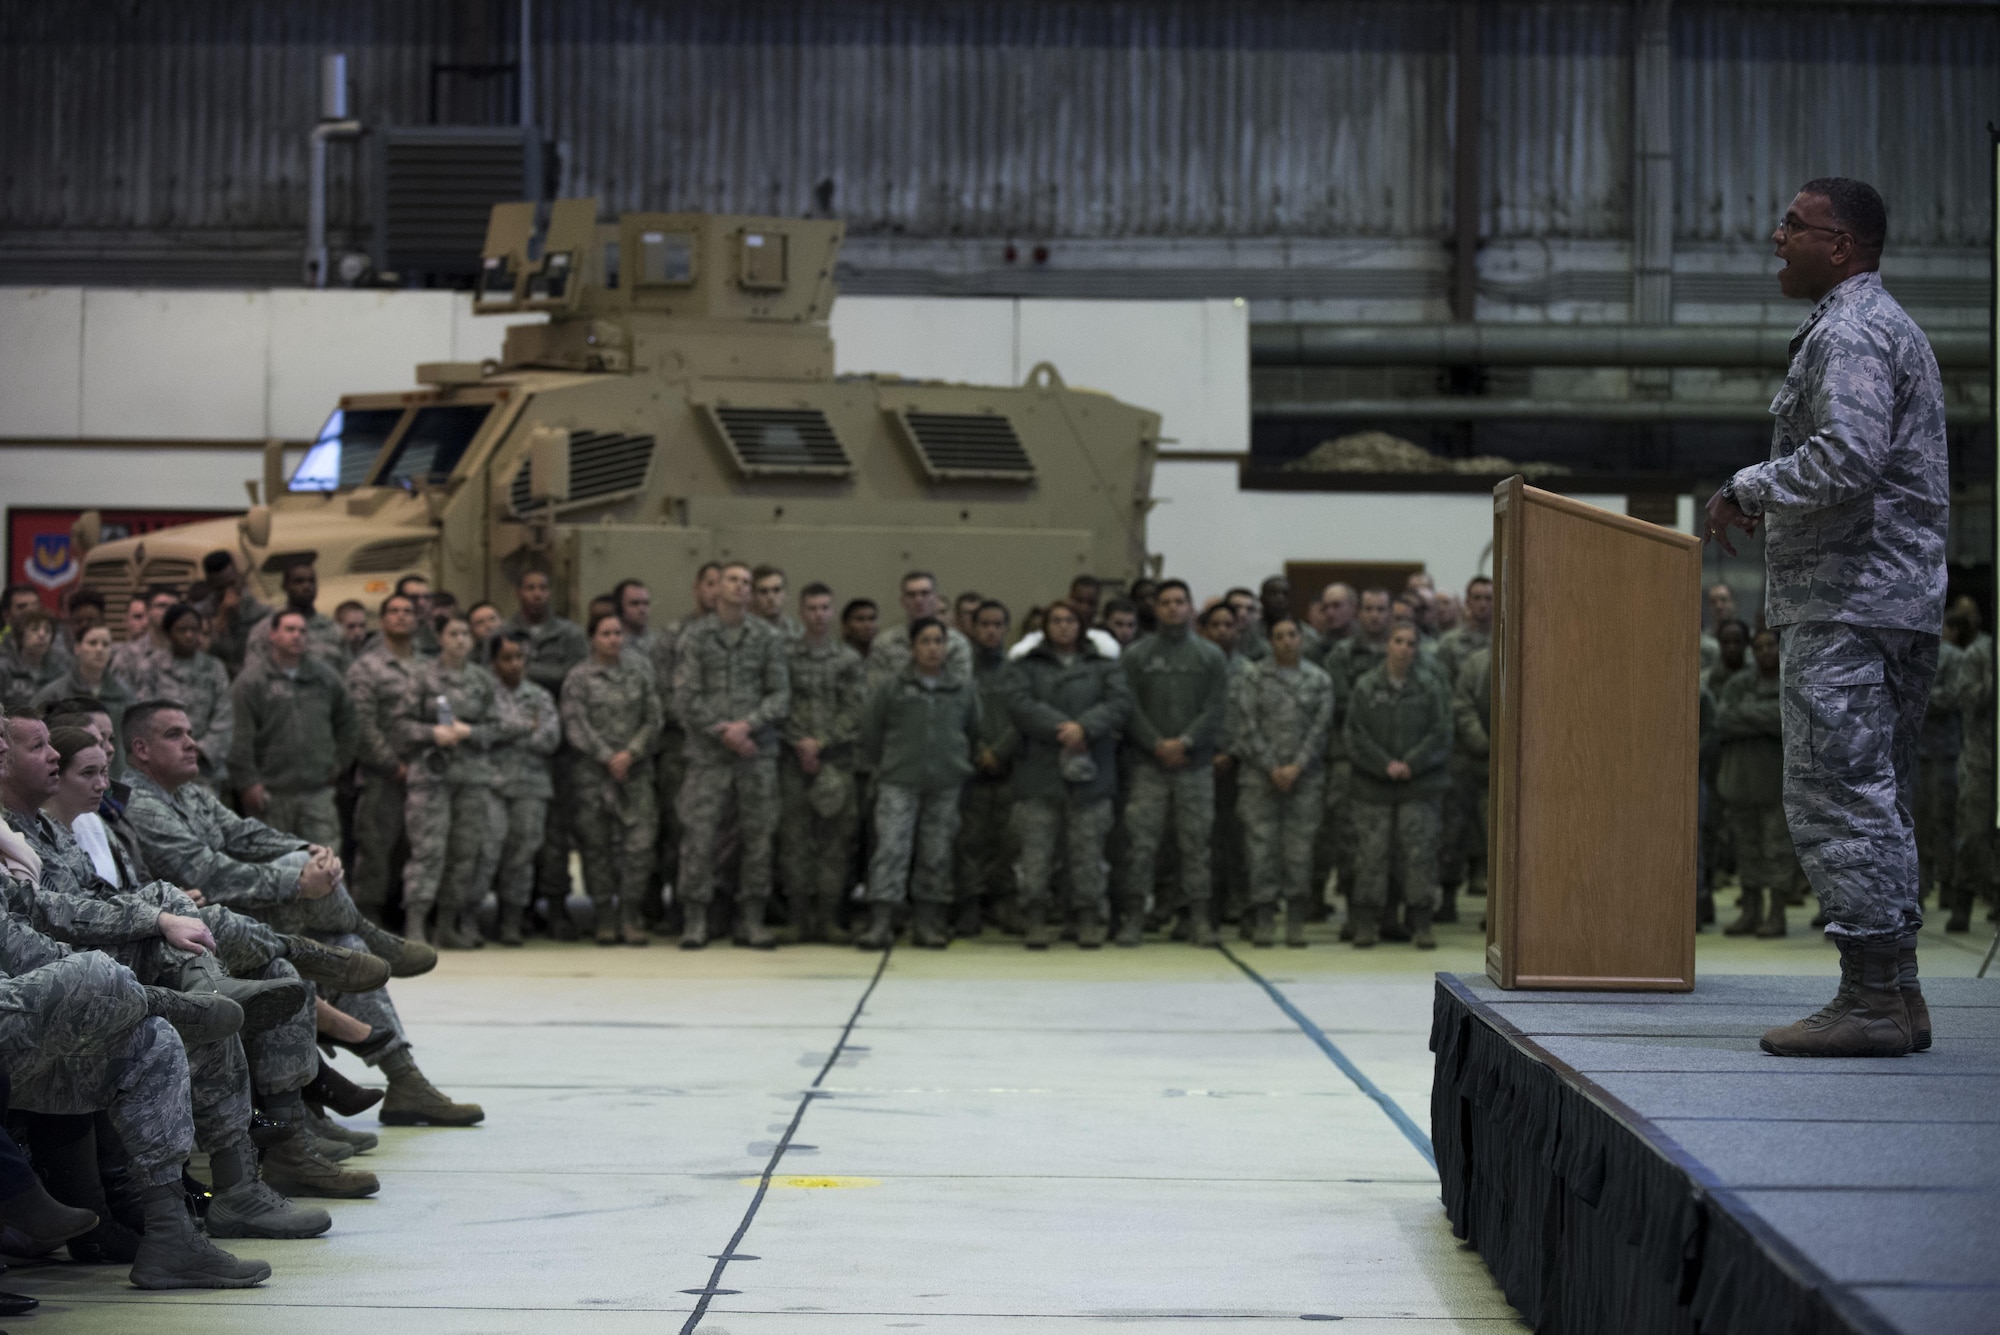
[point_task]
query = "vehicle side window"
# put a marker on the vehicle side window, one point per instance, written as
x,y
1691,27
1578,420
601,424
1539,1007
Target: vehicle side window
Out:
x,y
343,454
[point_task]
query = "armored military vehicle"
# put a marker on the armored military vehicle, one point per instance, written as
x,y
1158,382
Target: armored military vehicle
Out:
x,y
679,405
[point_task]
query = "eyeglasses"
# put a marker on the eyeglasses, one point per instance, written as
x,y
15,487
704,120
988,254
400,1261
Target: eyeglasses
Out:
x,y
1790,224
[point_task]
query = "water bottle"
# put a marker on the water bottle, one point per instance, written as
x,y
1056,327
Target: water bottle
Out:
x,y
445,716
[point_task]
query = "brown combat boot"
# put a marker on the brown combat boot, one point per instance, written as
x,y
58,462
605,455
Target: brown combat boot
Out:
x,y
407,956
1750,915
414,1101
1035,934
1264,926
1091,930
1296,913
927,926
1367,930
295,1167
1866,1018
1774,918
1420,929
334,968
694,926
510,925
750,928
881,930
1913,994
632,925
1200,932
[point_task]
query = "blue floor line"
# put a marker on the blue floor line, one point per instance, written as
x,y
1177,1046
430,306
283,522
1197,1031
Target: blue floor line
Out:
x,y
1411,1131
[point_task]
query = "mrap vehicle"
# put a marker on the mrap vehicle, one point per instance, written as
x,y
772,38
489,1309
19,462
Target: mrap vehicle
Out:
x,y
679,406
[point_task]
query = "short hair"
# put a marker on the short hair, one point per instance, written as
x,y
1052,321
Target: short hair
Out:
x,y
217,561
443,598
36,616
1286,619
70,742
76,704
1737,622
761,573
1211,612
1117,605
909,575
176,614
1856,206
531,570
978,599
707,566
481,603
1061,605
815,590
601,618
139,718
161,591
501,638
297,563
855,605
403,584
1087,578
351,605
1239,592
86,598
1476,581
1377,592
8,594
992,605
278,617
744,566
922,624
618,590
396,598
1180,584
1762,631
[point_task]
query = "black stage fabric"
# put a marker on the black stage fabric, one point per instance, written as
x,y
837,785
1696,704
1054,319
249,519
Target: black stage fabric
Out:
x,y
1631,1163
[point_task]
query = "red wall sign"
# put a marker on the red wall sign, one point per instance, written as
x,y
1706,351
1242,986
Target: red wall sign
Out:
x,y
39,550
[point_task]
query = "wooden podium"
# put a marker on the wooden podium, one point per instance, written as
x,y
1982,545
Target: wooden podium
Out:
x,y
1595,733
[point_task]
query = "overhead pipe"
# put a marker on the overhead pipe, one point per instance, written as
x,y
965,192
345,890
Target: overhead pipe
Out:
x,y
1757,346
335,122
1475,408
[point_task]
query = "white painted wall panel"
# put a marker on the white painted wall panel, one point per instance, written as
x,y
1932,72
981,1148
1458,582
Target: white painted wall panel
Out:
x,y
110,478
1171,356
325,344
41,361
1215,536
965,339
174,365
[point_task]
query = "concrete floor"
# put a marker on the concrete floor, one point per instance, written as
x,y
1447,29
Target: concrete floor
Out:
x,y
1006,1142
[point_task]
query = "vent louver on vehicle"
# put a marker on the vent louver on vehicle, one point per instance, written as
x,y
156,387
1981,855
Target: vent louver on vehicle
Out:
x,y
601,463
780,442
388,557
966,447
112,577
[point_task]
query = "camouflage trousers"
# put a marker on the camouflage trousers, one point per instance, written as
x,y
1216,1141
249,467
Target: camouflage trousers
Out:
x,y
335,919
1228,861
1974,861
1852,700
514,833
447,829
914,830
814,851
378,837
669,773
284,1057
1279,830
1937,820
76,1039
713,791
1463,859
1408,830
983,868
311,815
552,860
1188,796
615,825
1764,856
1333,847
1048,829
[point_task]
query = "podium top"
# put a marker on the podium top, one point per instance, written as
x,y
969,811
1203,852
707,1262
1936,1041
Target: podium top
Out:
x,y
1515,491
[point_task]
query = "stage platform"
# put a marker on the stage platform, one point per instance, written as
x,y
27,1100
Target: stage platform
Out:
x,y
1633,1163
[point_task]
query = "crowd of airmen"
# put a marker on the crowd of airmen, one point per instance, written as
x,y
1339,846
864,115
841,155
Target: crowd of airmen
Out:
x,y
1742,762
781,768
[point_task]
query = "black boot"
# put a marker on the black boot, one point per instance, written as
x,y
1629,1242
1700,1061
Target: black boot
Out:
x,y
1913,994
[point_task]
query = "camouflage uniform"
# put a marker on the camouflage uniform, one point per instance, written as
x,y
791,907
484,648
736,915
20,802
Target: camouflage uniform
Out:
x,y
723,674
1718,842
378,682
76,1039
445,812
917,738
1855,499
136,660
1179,685
199,684
1282,717
229,633
1464,842
555,645
828,686
890,655
1056,815
1937,780
528,733
295,732
1472,726
1750,781
1229,861
324,642
984,868
111,691
189,838
606,710
1410,722
18,681
670,752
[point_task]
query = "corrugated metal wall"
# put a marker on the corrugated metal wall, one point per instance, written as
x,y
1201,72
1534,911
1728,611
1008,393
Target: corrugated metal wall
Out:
x,y
1037,118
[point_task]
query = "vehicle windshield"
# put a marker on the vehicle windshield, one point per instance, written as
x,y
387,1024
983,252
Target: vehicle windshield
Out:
x,y
343,454
434,443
